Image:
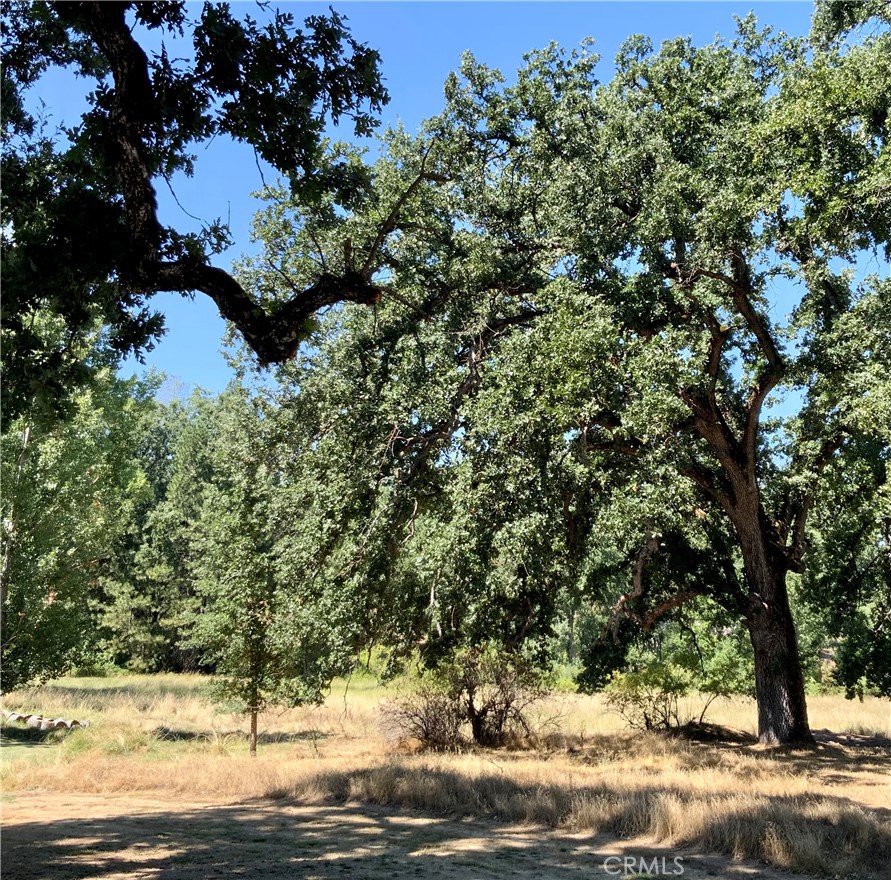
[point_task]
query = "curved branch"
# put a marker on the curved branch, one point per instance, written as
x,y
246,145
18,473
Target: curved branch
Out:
x,y
639,589
274,335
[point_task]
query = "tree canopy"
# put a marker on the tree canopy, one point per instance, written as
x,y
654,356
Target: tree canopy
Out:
x,y
616,285
82,237
632,363
69,491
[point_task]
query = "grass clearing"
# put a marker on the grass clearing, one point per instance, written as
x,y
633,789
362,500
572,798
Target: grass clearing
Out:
x,y
824,811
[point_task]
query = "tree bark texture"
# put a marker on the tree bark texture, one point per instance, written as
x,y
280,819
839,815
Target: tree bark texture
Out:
x,y
779,680
253,741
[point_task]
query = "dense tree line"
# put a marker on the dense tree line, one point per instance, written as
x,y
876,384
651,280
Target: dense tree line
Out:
x,y
244,535
623,394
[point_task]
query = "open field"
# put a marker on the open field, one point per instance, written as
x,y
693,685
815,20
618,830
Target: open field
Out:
x,y
160,785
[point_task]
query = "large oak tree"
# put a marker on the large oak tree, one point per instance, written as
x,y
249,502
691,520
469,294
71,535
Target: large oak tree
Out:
x,y
638,270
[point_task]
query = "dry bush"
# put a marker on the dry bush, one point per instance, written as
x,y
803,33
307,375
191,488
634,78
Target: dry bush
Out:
x,y
428,715
495,690
485,692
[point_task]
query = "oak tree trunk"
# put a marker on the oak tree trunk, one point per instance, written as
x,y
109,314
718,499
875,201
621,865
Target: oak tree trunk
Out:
x,y
779,681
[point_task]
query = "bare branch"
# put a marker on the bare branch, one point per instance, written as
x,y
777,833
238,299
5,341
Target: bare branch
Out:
x,y
284,276
312,237
654,615
639,589
638,584
388,291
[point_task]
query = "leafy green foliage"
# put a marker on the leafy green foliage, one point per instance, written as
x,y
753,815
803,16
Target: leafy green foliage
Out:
x,y
700,650
850,544
81,238
833,20
648,698
147,589
625,363
62,513
494,688
568,390
265,635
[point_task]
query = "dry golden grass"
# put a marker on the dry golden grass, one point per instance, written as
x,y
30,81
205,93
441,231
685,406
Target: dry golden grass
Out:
x,y
821,811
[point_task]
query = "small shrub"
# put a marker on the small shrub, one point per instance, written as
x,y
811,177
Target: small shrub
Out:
x,y
648,698
486,691
495,688
428,715
98,666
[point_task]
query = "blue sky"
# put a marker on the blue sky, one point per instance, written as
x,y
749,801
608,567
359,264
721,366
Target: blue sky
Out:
x,y
419,44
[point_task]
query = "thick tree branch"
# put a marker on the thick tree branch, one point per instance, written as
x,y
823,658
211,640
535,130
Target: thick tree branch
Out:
x,y
709,423
708,483
274,334
638,583
741,288
639,590
649,619
132,105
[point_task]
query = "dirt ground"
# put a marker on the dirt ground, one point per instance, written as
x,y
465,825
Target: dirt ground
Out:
x,y
60,837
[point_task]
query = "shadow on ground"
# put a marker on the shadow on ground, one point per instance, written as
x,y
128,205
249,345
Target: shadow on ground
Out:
x,y
127,839
12,734
80,837
838,759
16,742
